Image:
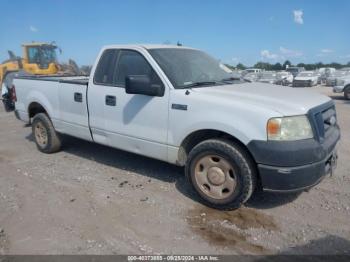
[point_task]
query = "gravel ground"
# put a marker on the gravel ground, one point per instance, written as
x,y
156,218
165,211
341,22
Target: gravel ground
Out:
x,y
91,199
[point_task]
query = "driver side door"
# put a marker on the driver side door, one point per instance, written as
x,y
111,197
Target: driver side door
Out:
x,y
132,122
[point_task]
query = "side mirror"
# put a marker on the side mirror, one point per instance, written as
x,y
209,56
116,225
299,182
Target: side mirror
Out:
x,y
141,85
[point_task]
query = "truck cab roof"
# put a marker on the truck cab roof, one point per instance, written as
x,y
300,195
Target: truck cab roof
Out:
x,y
146,46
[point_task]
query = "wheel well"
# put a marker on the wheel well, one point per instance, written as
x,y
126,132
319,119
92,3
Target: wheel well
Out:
x,y
35,108
199,136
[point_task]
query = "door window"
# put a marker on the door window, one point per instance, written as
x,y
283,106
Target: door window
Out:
x,y
133,63
106,67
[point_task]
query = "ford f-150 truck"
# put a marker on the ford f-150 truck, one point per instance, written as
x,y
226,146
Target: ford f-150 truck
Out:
x,y
182,106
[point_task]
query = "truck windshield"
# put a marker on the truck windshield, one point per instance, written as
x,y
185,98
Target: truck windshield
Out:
x,y
186,67
292,70
306,74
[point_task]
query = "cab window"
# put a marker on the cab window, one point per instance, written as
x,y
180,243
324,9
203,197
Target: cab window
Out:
x,y
106,67
133,63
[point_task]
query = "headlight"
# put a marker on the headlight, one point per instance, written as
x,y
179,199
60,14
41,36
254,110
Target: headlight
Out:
x,y
289,128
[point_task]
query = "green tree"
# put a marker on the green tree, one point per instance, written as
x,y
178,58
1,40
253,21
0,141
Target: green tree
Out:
x,y
263,65
287,62
230,66
335,65
240,66
319,65
277,67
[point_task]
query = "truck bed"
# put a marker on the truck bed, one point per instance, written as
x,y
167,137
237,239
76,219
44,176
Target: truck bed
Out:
x,y
64,98
80,80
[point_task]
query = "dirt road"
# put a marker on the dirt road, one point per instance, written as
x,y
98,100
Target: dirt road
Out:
x,y
90,199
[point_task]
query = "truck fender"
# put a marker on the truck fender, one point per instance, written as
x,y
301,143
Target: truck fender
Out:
x,y
37,97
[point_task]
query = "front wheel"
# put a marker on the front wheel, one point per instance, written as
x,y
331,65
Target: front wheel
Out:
x,y
222,173
46,138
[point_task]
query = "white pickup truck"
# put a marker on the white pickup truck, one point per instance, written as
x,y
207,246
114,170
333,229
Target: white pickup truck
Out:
x,y
342,85
182,106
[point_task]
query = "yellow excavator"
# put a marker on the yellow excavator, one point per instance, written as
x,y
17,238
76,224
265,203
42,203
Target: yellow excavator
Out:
x,y
38,59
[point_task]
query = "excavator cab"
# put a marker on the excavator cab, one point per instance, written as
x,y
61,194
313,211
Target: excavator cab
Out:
x,y
40,58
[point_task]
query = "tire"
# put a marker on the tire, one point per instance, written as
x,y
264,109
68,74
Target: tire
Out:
x,y
347,93
243,173
46,138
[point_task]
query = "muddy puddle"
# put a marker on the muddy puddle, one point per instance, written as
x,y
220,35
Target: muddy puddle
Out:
x,y
229,228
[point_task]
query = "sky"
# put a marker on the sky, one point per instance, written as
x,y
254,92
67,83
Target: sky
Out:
x,y
232,31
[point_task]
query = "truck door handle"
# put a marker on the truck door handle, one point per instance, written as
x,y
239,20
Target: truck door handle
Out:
x,y
111,101
78,97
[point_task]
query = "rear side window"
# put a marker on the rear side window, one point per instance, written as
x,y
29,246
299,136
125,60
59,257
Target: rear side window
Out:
x,y
133,63
106,67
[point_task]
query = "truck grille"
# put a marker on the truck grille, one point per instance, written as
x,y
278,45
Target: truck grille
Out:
x,y
301,83
324,118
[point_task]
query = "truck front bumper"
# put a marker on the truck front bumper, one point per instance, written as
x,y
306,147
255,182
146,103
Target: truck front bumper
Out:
x,y
294,165
292,179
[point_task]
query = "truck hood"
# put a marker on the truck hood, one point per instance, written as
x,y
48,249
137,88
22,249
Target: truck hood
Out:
x,y
285,100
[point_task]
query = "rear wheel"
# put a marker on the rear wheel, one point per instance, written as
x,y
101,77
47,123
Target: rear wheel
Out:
x,y
222,173
46,138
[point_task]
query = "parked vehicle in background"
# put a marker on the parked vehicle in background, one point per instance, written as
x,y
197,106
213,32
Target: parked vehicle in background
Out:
x,y
319,76
325,72
176,104
236,74
267,77
251,77
251,70
284,78
331,79
305,79
342,85
294,70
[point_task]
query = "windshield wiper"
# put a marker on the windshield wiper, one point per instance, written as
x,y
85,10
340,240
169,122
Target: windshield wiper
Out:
x,y
231,79
198,84
235,78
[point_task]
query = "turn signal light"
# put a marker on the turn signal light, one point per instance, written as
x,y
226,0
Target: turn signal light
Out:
x,y
273,127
